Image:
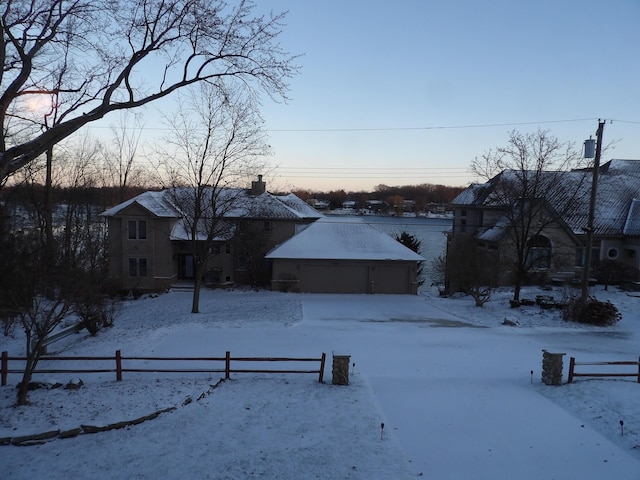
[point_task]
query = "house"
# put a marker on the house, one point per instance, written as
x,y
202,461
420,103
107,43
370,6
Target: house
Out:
x,y
261,238
344,255
483,226
150,247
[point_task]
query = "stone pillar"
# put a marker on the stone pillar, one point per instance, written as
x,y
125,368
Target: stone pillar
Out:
x,y
340,369
552,368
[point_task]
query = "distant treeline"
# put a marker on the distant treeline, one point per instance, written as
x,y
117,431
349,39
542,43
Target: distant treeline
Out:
x,y
424,196
104,197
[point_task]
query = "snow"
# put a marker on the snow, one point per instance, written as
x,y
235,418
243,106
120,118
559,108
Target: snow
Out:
x,y
451,383
340,238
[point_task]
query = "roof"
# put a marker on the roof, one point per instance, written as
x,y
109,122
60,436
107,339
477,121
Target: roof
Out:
x,y
232,202
615,212
343,239
155,203
632,222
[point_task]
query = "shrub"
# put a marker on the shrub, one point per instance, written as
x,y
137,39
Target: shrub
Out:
x,y
613,272
593,312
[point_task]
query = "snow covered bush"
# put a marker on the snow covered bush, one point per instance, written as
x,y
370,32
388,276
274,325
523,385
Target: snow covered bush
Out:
x,y
593,312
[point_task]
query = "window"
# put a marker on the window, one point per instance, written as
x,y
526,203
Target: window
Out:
x,y
612,253
463,226
595,255
538,252
266,226
137,229
138,267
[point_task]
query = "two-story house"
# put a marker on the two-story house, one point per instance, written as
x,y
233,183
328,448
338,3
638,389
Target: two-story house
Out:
x,y
484,224
150,245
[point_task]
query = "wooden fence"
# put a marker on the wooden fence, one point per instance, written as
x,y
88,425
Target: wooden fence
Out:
x,y
120,364
573,374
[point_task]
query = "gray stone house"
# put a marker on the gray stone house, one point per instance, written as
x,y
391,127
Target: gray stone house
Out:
x,y
482,226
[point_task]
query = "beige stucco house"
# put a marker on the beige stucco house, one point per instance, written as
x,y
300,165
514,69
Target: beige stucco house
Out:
x,y
150,246
482,227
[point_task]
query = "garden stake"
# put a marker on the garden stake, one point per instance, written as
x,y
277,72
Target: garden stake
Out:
x,y
353,369
381,430
532,376
621,428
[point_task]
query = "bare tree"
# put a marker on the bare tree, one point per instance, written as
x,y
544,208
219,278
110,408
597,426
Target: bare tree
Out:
x,y
119,155
531,191
216,142
472,270
93,57
45,290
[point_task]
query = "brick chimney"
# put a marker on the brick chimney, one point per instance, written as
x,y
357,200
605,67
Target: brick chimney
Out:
x,y
258,187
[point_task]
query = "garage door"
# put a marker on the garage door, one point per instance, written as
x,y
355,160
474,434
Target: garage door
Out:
x,y
335,278
392,279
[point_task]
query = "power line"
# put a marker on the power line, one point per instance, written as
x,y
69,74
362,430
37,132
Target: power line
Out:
x,y
391,129
433,127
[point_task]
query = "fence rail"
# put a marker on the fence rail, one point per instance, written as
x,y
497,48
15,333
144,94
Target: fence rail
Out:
x,y
120,366
573,374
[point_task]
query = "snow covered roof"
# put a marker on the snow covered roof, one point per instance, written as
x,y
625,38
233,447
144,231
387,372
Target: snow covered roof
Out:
x,y
155,202
615,213
179,231
632,223
343,239
238,203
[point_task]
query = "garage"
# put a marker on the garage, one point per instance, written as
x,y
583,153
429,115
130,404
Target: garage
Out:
x,y
344,256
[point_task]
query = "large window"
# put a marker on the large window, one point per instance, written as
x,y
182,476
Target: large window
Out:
x,y
138,267
538,253
137,229
595,255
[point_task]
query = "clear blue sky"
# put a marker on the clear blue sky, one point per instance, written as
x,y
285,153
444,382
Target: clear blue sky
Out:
x,y
381,82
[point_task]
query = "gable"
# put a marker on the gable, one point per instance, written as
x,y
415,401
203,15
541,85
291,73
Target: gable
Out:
x,y
632,222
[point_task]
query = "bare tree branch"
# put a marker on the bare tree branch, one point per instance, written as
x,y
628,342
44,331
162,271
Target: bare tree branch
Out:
x,y
121,55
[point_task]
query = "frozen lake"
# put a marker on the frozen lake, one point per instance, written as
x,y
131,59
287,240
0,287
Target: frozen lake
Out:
x,y
430,232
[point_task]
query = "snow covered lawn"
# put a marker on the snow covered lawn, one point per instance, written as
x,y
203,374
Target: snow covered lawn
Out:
x,y
452,385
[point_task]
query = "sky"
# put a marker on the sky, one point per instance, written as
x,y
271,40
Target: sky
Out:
x,y
411,91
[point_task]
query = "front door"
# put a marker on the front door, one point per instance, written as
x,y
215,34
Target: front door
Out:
x,y
185,267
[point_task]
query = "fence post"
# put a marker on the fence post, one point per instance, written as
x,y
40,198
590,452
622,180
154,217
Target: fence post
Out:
x,y
118,366
5,368
322,360
572,365
227,366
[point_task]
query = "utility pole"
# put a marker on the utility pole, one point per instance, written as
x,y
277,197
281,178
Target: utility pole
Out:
x,y
592,207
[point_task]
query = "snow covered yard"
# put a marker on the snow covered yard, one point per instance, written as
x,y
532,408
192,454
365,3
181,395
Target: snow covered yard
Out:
x,y
452,385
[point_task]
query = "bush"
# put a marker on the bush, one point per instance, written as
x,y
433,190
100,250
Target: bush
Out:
x,y
593,312
613,272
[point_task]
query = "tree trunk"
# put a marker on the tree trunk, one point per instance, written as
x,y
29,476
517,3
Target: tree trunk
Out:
x,y
197,284
33,357
516,290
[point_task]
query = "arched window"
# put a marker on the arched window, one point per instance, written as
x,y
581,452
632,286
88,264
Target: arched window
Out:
x,y
538,253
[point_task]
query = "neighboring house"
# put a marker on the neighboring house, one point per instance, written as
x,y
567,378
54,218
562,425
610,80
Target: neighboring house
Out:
x,y
150,248
344,255
558,250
